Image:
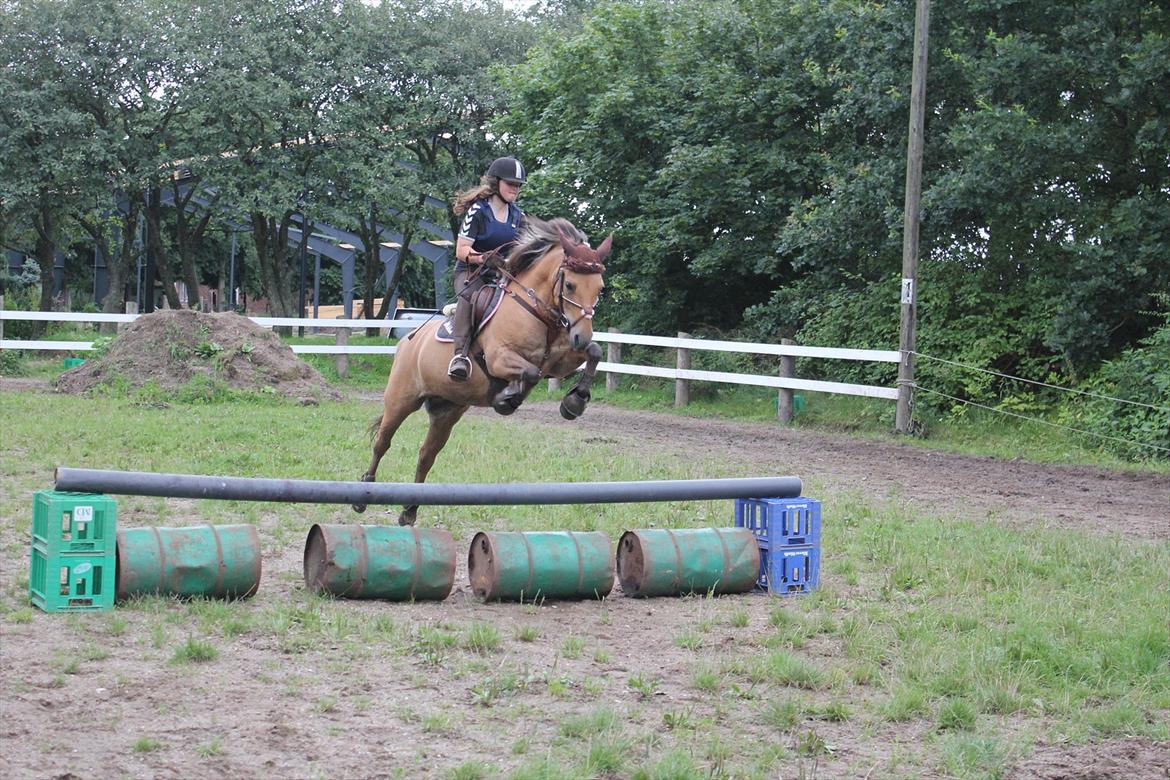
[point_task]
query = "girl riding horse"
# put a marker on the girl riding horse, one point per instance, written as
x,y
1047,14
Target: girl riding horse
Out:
x,y
543,327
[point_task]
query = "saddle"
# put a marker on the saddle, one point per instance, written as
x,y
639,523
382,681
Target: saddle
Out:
x,y
487,301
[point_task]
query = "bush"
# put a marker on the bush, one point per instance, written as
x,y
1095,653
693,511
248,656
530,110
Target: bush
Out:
x,y
22,292
12,363
1142,375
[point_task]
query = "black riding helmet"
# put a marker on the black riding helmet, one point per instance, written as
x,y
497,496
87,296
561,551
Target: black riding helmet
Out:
x,y
507,168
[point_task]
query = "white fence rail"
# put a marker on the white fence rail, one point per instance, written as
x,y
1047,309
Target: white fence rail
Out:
x,y
682,344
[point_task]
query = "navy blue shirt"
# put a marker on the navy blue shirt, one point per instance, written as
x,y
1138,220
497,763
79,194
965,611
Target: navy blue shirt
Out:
x,y
486,232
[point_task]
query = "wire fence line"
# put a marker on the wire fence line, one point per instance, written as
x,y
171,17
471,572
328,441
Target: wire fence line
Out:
x,y
1041,384
1042,422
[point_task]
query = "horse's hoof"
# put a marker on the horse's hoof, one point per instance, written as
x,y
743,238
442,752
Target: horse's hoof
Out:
x,y
503,407
404,520
573,405
359,508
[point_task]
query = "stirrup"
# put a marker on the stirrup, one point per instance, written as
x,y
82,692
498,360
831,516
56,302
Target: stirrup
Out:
x,y
459,369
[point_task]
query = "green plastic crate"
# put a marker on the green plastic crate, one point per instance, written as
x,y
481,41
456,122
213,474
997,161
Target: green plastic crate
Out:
x,y
71,582
72,561
74,522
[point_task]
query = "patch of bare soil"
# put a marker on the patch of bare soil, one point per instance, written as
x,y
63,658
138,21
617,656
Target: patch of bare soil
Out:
x,y
170,348
1015,492
1122,759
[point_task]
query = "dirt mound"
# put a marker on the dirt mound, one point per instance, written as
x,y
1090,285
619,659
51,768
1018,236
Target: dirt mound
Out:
x,y
171,348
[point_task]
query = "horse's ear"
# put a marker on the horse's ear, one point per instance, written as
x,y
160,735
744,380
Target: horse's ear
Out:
x,y
604,249
573,248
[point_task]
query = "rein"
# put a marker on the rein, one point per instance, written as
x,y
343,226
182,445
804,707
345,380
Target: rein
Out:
x,y
554,319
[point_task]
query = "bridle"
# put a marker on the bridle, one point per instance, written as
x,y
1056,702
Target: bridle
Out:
x,y
554,318
586,311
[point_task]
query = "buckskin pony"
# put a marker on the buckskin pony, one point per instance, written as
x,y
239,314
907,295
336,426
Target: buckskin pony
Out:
x,y
542,327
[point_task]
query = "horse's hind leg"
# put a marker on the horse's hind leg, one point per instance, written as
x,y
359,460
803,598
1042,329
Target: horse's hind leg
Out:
x,y
509,399
573,404
393,415
444,415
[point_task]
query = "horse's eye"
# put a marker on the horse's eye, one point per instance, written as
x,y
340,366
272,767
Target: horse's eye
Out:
x,y
570,287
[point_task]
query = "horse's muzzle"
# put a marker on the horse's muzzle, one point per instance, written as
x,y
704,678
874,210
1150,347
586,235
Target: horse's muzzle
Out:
x,y
579,338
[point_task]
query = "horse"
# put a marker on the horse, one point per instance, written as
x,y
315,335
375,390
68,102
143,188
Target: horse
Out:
x,y
543,327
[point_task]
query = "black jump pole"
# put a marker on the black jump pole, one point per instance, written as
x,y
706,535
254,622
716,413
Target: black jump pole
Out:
x,y
141,483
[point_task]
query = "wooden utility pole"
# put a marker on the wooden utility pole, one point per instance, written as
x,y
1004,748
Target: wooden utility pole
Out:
x,y
908,336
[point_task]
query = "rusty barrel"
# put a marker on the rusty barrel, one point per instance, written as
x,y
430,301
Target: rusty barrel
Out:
x,y
666,562
380,562
213,561
540,565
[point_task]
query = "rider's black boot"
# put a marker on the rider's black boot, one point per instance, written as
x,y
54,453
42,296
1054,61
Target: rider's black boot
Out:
x,y
460,367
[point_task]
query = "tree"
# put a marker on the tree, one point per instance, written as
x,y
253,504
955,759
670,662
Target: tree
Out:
x,y
761,147
49,146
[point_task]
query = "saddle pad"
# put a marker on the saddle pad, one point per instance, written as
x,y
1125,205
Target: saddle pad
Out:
x,y
443,332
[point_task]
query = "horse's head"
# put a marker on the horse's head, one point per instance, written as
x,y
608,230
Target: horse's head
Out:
x,y
568,281
580,285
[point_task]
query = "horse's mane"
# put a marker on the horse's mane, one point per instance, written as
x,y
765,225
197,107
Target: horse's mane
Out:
x,y
537,238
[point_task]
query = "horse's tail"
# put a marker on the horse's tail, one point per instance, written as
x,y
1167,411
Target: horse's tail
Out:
x,y
375,425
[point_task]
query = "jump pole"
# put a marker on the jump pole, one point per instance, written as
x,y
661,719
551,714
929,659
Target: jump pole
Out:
x,y
141,483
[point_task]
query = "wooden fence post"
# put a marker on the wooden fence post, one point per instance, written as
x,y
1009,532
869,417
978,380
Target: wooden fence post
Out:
x,y
787,371
682,387
342,359
613,355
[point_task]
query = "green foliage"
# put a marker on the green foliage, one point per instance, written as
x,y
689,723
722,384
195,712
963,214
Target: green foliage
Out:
x,y
759,149
21,292
1141,375
12,363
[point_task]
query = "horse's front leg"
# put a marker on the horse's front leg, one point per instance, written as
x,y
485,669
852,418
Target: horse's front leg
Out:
x,y
511,364
573,404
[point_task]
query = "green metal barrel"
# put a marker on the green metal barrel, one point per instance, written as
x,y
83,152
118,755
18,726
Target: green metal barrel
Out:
x,y
665,562
544,564
215,561
380,562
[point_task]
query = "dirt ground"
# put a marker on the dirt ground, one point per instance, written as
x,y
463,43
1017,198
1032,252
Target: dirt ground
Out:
x,y
1135,503
290,700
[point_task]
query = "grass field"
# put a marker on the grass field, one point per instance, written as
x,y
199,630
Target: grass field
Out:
x,y
935,647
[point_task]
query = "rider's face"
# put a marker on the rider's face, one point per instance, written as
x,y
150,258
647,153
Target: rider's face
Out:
x,y
509,191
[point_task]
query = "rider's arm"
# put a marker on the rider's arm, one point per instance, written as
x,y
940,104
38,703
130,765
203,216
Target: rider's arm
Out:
x,y
470,229
464,252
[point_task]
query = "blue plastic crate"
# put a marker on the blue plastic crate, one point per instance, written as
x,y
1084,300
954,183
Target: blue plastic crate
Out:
x,y
789,570
778,522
